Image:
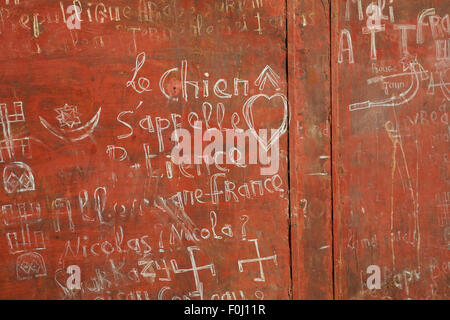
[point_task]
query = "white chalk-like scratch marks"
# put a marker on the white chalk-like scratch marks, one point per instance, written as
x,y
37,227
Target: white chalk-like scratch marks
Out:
x,y
412,68
74,134
247,111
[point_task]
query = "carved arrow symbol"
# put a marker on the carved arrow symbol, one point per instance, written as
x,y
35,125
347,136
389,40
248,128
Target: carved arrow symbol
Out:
x,y
268,74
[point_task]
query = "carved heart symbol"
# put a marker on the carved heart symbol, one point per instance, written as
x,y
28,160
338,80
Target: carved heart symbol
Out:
x,y
248,116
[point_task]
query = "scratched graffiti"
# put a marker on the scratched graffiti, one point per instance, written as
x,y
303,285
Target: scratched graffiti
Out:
x,y
196,150
396,172
102,208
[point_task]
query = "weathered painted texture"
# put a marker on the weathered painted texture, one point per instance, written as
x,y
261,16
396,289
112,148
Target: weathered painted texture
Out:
x,y
116,215
359,147
390,148
309,149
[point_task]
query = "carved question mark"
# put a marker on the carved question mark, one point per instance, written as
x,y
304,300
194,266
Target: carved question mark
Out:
x,y
244,218
304,205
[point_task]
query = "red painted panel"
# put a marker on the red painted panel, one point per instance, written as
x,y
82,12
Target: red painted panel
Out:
x,y
87,174
309,149
390,142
